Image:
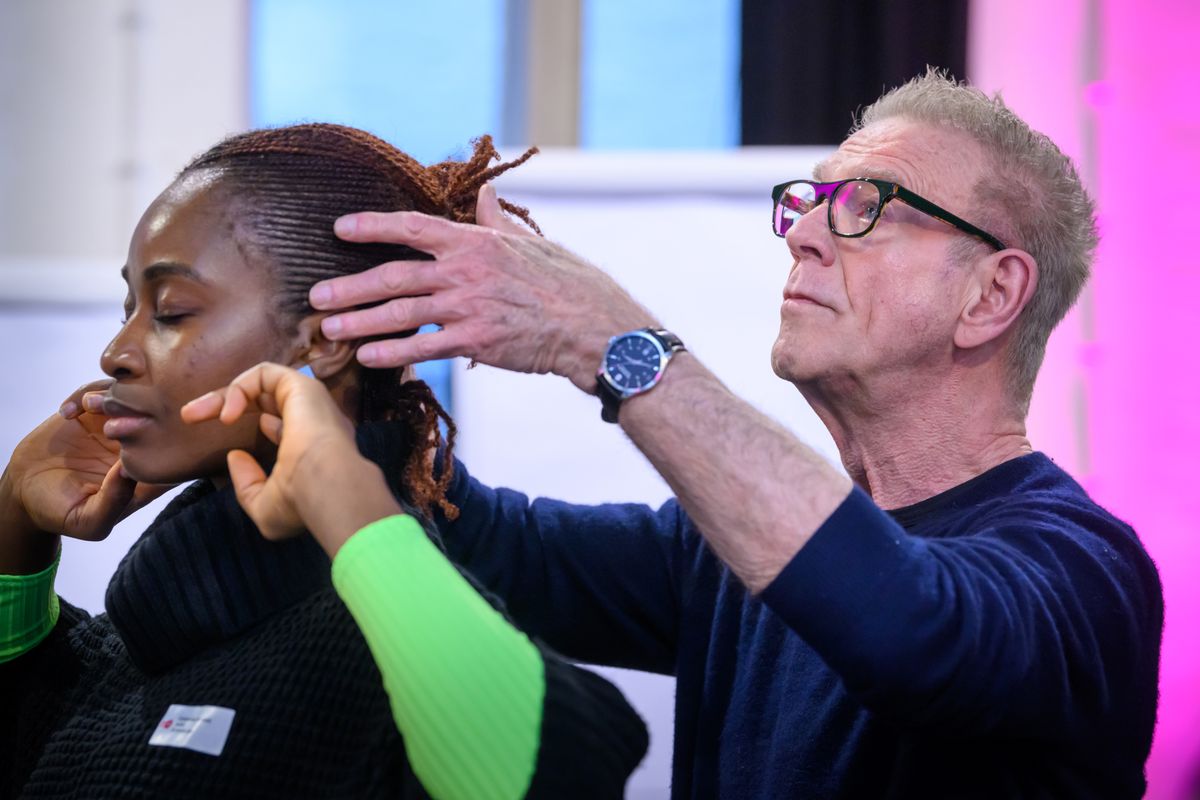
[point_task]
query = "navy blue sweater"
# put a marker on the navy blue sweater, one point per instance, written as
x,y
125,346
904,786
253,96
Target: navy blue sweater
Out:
x,y
998,640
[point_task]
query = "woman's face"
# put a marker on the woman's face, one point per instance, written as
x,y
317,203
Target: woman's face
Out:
x,y
197,314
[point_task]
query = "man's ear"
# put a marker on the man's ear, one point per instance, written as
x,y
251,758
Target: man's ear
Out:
x,y
1006,282
326,357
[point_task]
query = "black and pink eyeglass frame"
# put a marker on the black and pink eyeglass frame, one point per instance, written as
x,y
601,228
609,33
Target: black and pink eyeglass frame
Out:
x,y
863,199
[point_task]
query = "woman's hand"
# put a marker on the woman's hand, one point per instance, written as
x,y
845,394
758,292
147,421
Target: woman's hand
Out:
x,y
64,478
319,481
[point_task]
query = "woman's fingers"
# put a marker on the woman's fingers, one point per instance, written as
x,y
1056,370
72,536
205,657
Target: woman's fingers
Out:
x,y
204,407
281,502
272,427
76,402
274,515
248,478
249,481
95,517
93,402
236,404
262,388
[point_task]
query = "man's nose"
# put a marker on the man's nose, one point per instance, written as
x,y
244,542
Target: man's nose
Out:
x,y
810,236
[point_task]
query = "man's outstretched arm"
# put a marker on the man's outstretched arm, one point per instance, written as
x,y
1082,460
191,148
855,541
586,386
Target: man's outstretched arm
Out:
x,y
512,300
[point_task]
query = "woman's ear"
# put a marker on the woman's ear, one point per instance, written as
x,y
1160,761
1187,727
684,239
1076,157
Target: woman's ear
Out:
x,y
326,357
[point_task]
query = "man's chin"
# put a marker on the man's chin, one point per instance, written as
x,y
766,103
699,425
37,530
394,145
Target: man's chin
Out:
x,y
786,365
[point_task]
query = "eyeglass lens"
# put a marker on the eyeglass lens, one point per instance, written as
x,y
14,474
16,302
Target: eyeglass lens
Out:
x,y
855,204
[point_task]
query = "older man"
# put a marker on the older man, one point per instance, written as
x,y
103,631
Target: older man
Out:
x,y
955,619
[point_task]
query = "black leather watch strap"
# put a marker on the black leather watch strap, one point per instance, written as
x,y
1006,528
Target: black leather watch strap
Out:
x,y
610,401
610,396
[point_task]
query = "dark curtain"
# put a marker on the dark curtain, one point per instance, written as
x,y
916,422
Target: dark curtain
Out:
x,y
809,65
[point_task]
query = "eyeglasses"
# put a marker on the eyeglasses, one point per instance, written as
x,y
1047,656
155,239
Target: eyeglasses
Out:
x,y
855,205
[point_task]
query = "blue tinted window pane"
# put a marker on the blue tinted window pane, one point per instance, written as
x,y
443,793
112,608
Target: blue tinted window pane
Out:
x,y
437,375
661,74
424,76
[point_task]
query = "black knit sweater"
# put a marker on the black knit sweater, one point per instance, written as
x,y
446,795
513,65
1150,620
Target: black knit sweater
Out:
x,y
203,611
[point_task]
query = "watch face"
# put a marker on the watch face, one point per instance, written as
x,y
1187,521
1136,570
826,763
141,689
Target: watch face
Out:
x,y
633,362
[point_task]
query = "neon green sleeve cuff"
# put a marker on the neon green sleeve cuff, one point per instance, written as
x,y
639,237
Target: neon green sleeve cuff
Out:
x,y
28,611
466,687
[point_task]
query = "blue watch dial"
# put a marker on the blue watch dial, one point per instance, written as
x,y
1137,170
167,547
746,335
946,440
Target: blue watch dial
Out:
x,y
633,362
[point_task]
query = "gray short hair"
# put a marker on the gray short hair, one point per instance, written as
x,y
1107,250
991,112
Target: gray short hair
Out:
x,y
1032,199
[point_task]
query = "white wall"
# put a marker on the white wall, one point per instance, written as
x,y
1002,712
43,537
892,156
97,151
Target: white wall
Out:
x,y
103,102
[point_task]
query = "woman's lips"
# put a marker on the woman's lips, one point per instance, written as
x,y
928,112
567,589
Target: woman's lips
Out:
x,y
122,427
122,421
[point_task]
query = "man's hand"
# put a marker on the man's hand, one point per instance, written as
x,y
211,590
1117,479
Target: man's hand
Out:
x,y
319,482
501,295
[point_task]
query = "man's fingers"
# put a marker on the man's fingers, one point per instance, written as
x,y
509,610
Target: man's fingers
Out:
x,y
411,350
401,314
489,214
421,231
393,279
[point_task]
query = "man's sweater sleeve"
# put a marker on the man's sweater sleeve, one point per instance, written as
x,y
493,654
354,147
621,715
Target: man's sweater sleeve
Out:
x,y
483,711
599,583
28,611
1029,626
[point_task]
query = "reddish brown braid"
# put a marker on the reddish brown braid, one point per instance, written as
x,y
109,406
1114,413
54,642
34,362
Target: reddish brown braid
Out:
x,y
288,185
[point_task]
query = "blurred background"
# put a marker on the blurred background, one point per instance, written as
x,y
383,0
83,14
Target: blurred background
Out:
x,y
663,126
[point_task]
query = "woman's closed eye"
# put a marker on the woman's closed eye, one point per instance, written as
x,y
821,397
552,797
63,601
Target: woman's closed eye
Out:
x,y
171,317
164,316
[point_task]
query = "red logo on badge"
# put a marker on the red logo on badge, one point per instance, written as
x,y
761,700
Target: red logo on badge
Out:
x,y
168,723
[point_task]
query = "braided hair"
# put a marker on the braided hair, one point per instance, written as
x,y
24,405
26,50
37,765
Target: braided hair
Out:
x,y
288,185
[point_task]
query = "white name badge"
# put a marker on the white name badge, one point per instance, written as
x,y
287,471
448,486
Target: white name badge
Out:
x,y
200,728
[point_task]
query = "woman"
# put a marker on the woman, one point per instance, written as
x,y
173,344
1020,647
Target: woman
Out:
x,y
226,662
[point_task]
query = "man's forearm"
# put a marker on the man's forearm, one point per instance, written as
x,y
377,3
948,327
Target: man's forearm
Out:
x,y
754,490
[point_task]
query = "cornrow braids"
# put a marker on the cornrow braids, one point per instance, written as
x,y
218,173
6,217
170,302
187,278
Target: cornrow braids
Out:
x,y
288,185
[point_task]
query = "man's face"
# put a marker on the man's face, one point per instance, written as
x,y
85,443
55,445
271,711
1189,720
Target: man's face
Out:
x,y
197,315
883,306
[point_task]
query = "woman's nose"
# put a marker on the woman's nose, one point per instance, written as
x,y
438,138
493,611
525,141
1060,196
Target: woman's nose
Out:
x,y
123,358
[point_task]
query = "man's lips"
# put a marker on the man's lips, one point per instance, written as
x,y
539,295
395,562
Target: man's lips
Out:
x,y
123,420
801,298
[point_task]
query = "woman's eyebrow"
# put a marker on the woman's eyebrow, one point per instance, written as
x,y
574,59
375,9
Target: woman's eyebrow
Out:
x,y
167,269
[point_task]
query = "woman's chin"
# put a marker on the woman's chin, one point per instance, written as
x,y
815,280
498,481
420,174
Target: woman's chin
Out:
x,y
145,468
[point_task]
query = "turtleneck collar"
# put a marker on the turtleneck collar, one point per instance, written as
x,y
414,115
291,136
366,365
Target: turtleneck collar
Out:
x,y
201,573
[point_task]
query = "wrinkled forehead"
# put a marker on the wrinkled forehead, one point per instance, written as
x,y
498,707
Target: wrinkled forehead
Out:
x,y
930,160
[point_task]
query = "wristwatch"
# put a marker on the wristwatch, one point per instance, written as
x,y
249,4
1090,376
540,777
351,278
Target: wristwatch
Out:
x,y
633,363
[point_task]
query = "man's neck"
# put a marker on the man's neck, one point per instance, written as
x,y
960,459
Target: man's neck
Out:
x,y
905,446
